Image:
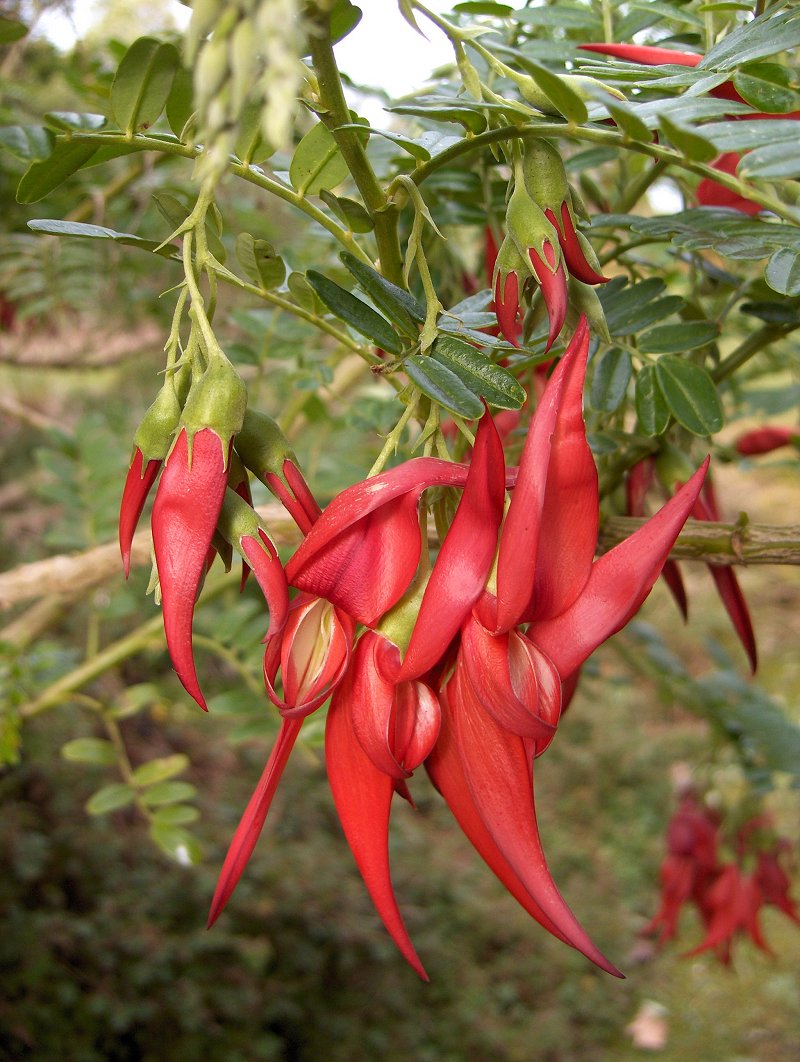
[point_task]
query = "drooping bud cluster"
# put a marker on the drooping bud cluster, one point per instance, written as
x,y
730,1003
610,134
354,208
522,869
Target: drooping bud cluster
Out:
x,y
727,893
247,57
542,244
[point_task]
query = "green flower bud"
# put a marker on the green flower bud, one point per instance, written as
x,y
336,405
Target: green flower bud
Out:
x,y
216,400
262,445
154,435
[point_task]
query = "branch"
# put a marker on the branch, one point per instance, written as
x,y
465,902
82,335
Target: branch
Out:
x,y
725,544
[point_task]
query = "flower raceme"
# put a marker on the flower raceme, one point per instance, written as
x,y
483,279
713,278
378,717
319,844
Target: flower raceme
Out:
x,y
709,192
542,242
501,623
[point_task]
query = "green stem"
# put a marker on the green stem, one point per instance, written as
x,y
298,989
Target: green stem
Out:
x,y
337,114
636,189
747,348
393,439
232,660
251,174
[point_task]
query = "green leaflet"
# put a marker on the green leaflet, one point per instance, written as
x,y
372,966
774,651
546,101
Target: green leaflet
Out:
x,y
344,305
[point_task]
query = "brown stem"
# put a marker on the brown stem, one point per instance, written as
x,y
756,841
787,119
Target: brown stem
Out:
x,y
715,543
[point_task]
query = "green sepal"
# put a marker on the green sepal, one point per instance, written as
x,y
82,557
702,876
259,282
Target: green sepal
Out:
x,y
217,399
238,520
545,177
583,299
528,227
155,432
262,446
223,548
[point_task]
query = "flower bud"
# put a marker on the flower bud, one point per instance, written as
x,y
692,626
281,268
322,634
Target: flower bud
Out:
x,y
216,400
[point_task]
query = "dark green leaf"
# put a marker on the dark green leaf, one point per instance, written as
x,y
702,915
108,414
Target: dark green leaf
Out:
x,y
687,141
560,93
142,83
344,305
175,815
629,309
178,843
43,177
344,19
690,394
413,147
353,214
772,162
783,271
628,121
750,132
443,386
180,102
670,339
28,143
399,305
260,262
54,227
763,36
480,375
168,793
317,162
611,379
11,30
90,750
766,87
110,798
159,770
651,406
68,121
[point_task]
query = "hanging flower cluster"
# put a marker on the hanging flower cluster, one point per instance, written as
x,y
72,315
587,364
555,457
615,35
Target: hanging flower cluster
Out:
x,y
728,895
543,244
463,667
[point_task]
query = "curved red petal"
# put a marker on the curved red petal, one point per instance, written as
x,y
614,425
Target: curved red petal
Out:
x,y
447,774
252,821
363,551
553,282
363,795
271,577
185,513
619,582
498,773
138,484
671,574
465,557
506,306
519,539
372,699
574,255
647,55
570,512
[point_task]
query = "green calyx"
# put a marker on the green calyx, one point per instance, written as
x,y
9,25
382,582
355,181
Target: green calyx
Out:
x,y
154,435
673,467
217,400
262,445
544,176
583,300
237,520
528,227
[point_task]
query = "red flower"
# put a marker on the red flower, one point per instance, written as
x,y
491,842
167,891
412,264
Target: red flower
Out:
x,y
764,440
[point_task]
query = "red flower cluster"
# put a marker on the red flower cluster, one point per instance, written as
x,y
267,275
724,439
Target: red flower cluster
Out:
x,y
727,897
709,192
462,667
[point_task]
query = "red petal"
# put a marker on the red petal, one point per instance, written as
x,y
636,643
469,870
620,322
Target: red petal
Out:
x,y
250,826
363,551
465,557
271,578
363,797
519,539
498,774
570,512
619,582
729,590
185,513
553,282
506,306
574,254
447,774
645,54
671,575
138,483
372,699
